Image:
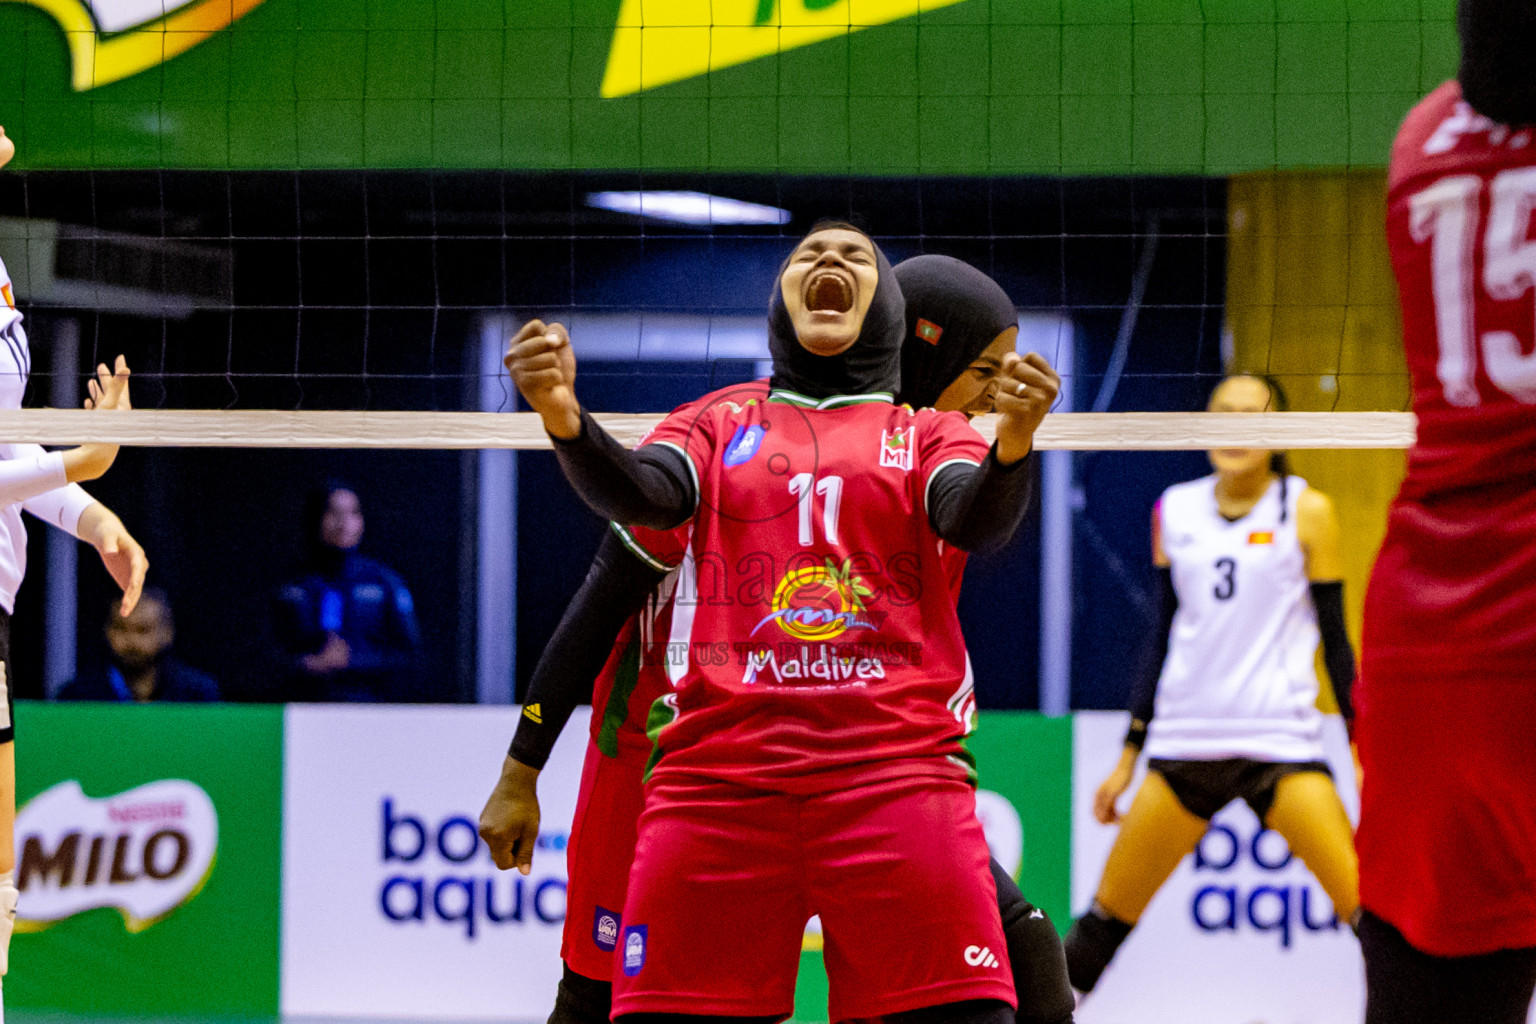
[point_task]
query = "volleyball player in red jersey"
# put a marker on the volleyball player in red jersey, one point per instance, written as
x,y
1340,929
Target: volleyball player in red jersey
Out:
x,y
801,772
959,325
1447,702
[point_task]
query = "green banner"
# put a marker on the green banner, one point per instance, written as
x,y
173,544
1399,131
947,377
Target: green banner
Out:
x,y
866,87
150,848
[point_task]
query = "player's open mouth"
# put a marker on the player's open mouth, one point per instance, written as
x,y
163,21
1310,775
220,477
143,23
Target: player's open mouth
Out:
x,y
828,291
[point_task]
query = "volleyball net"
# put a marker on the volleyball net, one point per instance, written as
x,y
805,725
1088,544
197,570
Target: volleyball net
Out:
x,y
275,296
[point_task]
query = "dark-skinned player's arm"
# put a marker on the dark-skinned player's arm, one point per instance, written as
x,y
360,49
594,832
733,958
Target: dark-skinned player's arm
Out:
x,y
650,486
616,587
978,508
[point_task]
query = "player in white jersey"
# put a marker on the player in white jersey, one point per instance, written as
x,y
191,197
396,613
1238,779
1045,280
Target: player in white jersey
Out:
x,y
43,484
1250,570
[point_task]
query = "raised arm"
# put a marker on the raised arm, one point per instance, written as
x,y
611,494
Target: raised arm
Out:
x,y
32,471
652,486
615,588
976,508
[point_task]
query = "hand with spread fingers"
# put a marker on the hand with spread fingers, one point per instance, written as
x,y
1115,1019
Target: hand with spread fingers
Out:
x,y
1027,388
108,390
543,367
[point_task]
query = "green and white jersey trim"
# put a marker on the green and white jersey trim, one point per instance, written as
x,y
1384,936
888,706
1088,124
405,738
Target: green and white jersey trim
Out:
x,y
639,550
663,713
939,469
693,471
835,402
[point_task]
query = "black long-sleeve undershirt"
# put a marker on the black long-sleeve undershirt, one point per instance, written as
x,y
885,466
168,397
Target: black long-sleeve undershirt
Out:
x,y
1144,687
979,508
615,588
649,486
1338,653
971,508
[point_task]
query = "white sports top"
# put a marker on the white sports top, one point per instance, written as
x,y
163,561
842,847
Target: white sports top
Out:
x,y
30,478
1239,679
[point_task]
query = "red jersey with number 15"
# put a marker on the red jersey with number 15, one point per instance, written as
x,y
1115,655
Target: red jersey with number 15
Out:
x,y
814,634
1454,588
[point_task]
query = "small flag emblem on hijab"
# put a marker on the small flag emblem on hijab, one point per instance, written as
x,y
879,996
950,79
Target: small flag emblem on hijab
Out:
x,y
929,331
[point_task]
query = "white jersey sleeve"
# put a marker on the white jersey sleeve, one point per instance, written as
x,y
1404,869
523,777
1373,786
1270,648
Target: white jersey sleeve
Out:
x,y
27,476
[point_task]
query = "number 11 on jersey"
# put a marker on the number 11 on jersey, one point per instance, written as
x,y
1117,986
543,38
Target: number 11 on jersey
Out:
x,y
831,490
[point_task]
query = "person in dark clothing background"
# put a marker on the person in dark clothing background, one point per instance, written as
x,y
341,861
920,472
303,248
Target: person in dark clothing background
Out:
x,y
141,666
346,628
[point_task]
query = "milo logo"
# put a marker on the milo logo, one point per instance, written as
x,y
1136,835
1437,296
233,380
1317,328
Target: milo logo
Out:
x,y
143,853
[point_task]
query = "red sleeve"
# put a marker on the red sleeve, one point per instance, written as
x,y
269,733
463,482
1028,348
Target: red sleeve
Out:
x,y
944,438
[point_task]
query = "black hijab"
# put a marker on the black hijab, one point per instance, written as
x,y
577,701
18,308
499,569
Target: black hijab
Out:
x,y
954,311
1496,74
872,363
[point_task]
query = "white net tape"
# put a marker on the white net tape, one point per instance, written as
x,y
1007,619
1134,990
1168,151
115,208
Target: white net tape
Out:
x,y
1128,431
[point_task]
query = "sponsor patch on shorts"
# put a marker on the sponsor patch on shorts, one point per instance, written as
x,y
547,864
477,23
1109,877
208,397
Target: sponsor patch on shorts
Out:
x,y
634,949
605,928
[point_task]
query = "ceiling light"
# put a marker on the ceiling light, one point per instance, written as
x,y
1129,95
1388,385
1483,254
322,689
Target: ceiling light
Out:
x,y
698,208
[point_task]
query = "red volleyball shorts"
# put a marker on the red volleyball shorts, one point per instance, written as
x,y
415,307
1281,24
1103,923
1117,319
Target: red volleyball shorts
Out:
x,y
1447,835
602,846
725,878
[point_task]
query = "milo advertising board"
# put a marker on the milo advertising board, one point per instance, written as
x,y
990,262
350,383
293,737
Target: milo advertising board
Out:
x,y
148,844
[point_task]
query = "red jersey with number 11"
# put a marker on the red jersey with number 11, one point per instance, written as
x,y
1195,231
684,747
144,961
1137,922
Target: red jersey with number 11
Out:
x,y
1454,588
814,635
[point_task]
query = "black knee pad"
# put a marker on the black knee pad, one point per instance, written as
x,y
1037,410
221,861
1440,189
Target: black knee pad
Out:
x,y
1039,968
1035,953
968,1011
581,1000
1091,945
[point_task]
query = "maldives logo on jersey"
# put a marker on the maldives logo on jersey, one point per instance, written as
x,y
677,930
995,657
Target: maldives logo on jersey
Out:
x,y
819,602
896,447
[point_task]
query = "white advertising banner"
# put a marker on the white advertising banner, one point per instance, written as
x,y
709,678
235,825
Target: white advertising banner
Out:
x,y
1241,932
391,904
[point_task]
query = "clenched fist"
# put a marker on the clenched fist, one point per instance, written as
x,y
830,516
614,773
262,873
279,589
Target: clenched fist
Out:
x,y
1027,388
509,824
543,367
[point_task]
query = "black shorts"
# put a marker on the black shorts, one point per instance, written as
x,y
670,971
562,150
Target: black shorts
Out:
x,y
1205,787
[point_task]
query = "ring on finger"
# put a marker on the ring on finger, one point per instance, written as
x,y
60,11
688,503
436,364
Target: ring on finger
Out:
x,y
1020,388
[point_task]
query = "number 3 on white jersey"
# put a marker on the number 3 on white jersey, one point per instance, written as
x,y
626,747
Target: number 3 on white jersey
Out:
x,y
1447,212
